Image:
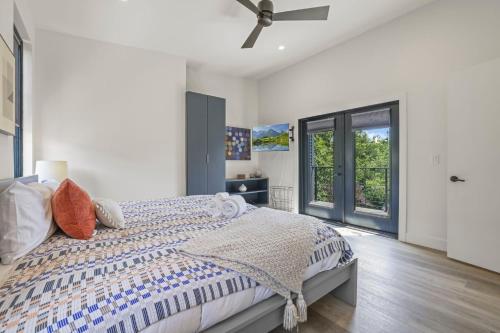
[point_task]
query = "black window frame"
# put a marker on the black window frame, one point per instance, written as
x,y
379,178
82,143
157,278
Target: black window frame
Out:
x,y
18,138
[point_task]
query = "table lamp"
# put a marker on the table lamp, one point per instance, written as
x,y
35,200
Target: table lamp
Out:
x,y
51,171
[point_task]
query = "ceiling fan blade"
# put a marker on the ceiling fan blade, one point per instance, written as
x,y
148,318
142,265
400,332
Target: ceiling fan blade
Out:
x,y
250,42
250,5
308,14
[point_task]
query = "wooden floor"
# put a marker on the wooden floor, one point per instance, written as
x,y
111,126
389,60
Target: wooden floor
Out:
x,y
404,288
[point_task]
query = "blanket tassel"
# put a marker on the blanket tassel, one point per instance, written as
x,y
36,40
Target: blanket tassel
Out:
x,y
301,308
290,316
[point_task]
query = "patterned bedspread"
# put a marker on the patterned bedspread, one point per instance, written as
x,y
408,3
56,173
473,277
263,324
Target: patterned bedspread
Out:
x,y
126,280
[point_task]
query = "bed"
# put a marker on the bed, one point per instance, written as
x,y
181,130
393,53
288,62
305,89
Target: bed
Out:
x,y
133,279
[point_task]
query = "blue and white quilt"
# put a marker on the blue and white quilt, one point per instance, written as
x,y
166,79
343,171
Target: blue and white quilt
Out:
x,y
125,280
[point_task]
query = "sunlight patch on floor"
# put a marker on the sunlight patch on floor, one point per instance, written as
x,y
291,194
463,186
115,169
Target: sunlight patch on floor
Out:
x,y
353,232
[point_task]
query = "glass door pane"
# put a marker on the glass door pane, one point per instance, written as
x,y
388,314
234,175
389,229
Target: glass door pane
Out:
x,y
372,162
321,167
321,140
371,167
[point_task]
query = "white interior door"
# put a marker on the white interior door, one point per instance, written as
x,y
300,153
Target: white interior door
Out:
x,y
474,156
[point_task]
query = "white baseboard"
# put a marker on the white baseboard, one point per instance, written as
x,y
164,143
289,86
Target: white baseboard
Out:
x,y
427,241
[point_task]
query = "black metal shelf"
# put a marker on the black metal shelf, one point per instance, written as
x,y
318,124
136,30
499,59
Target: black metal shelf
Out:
x,y
248,192
257,192
232,180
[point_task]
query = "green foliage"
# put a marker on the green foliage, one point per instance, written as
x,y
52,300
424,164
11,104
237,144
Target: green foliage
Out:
x,y
372,159
324,148
282,139
372,170
371,152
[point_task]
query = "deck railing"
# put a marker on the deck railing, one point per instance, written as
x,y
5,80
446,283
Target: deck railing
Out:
x,y
372,186
323,183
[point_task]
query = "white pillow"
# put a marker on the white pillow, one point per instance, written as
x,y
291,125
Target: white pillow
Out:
x,y
109,213
23,224
47,190
52,184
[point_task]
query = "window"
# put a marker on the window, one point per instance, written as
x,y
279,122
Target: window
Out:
x,y
18,139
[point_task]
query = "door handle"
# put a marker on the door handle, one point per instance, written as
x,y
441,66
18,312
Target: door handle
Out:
x,y
455,179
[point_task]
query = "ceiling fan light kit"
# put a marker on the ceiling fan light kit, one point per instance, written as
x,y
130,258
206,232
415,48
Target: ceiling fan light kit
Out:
x,y
266,16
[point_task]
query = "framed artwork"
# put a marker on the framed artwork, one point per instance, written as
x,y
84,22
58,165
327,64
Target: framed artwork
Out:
x,y
7,90
238,144
271,138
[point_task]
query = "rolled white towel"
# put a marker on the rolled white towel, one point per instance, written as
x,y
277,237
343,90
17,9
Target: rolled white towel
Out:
x,y
229,209
222,196
214,208
234,206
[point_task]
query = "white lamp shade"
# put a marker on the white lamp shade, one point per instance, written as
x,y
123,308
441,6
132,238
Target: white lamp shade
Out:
x,y
51,170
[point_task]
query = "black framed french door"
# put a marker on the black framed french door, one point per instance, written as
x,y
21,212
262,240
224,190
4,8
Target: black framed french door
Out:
x,y
349,166
322,141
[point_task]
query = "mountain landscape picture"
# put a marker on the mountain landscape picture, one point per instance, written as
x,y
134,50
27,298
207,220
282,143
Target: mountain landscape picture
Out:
x,y
270,138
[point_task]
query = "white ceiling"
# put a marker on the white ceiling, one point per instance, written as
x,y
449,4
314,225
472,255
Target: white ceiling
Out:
x,y
209,33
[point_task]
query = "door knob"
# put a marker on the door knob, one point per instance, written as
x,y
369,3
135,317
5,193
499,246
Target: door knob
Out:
x,y
455,179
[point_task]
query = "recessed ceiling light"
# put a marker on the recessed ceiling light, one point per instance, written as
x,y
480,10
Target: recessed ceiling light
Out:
x,y
124,0
281,47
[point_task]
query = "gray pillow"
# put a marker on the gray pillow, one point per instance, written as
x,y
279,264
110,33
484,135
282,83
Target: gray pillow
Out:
x,y
109,213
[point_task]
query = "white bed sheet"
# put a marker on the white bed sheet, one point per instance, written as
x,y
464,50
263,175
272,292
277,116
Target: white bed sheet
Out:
x,y
207,315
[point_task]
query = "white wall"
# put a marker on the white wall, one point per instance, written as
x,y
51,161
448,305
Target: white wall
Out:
x,y
7,21
414,55
116,114
241,107
18,13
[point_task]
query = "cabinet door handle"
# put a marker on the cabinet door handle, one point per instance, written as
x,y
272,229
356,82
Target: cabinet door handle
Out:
x,y
208,158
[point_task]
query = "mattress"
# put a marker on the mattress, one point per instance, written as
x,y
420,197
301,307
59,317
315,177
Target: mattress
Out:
x,y
133,279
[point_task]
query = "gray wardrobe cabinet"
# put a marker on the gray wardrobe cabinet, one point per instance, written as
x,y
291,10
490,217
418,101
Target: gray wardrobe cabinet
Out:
x,y
205,149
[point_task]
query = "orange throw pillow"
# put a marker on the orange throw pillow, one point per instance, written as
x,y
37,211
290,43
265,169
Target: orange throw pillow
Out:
x,y
73,210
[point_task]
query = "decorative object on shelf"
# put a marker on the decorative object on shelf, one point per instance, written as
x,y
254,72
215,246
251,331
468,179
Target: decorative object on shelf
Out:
x,y
282,198
271,138
7,90
238,144
258,173
51,171
242,188
241,176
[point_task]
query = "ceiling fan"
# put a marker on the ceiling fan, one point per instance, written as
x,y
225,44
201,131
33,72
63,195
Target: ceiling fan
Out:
x,y
266,16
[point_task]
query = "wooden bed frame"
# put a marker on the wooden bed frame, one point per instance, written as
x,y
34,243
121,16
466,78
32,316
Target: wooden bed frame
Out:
x,y
267,315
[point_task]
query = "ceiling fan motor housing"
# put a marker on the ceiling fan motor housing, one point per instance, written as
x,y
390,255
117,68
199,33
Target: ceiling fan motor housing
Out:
x,y
266,8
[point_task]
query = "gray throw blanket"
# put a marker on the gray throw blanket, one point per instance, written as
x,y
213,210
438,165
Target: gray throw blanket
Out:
x,y
269,246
